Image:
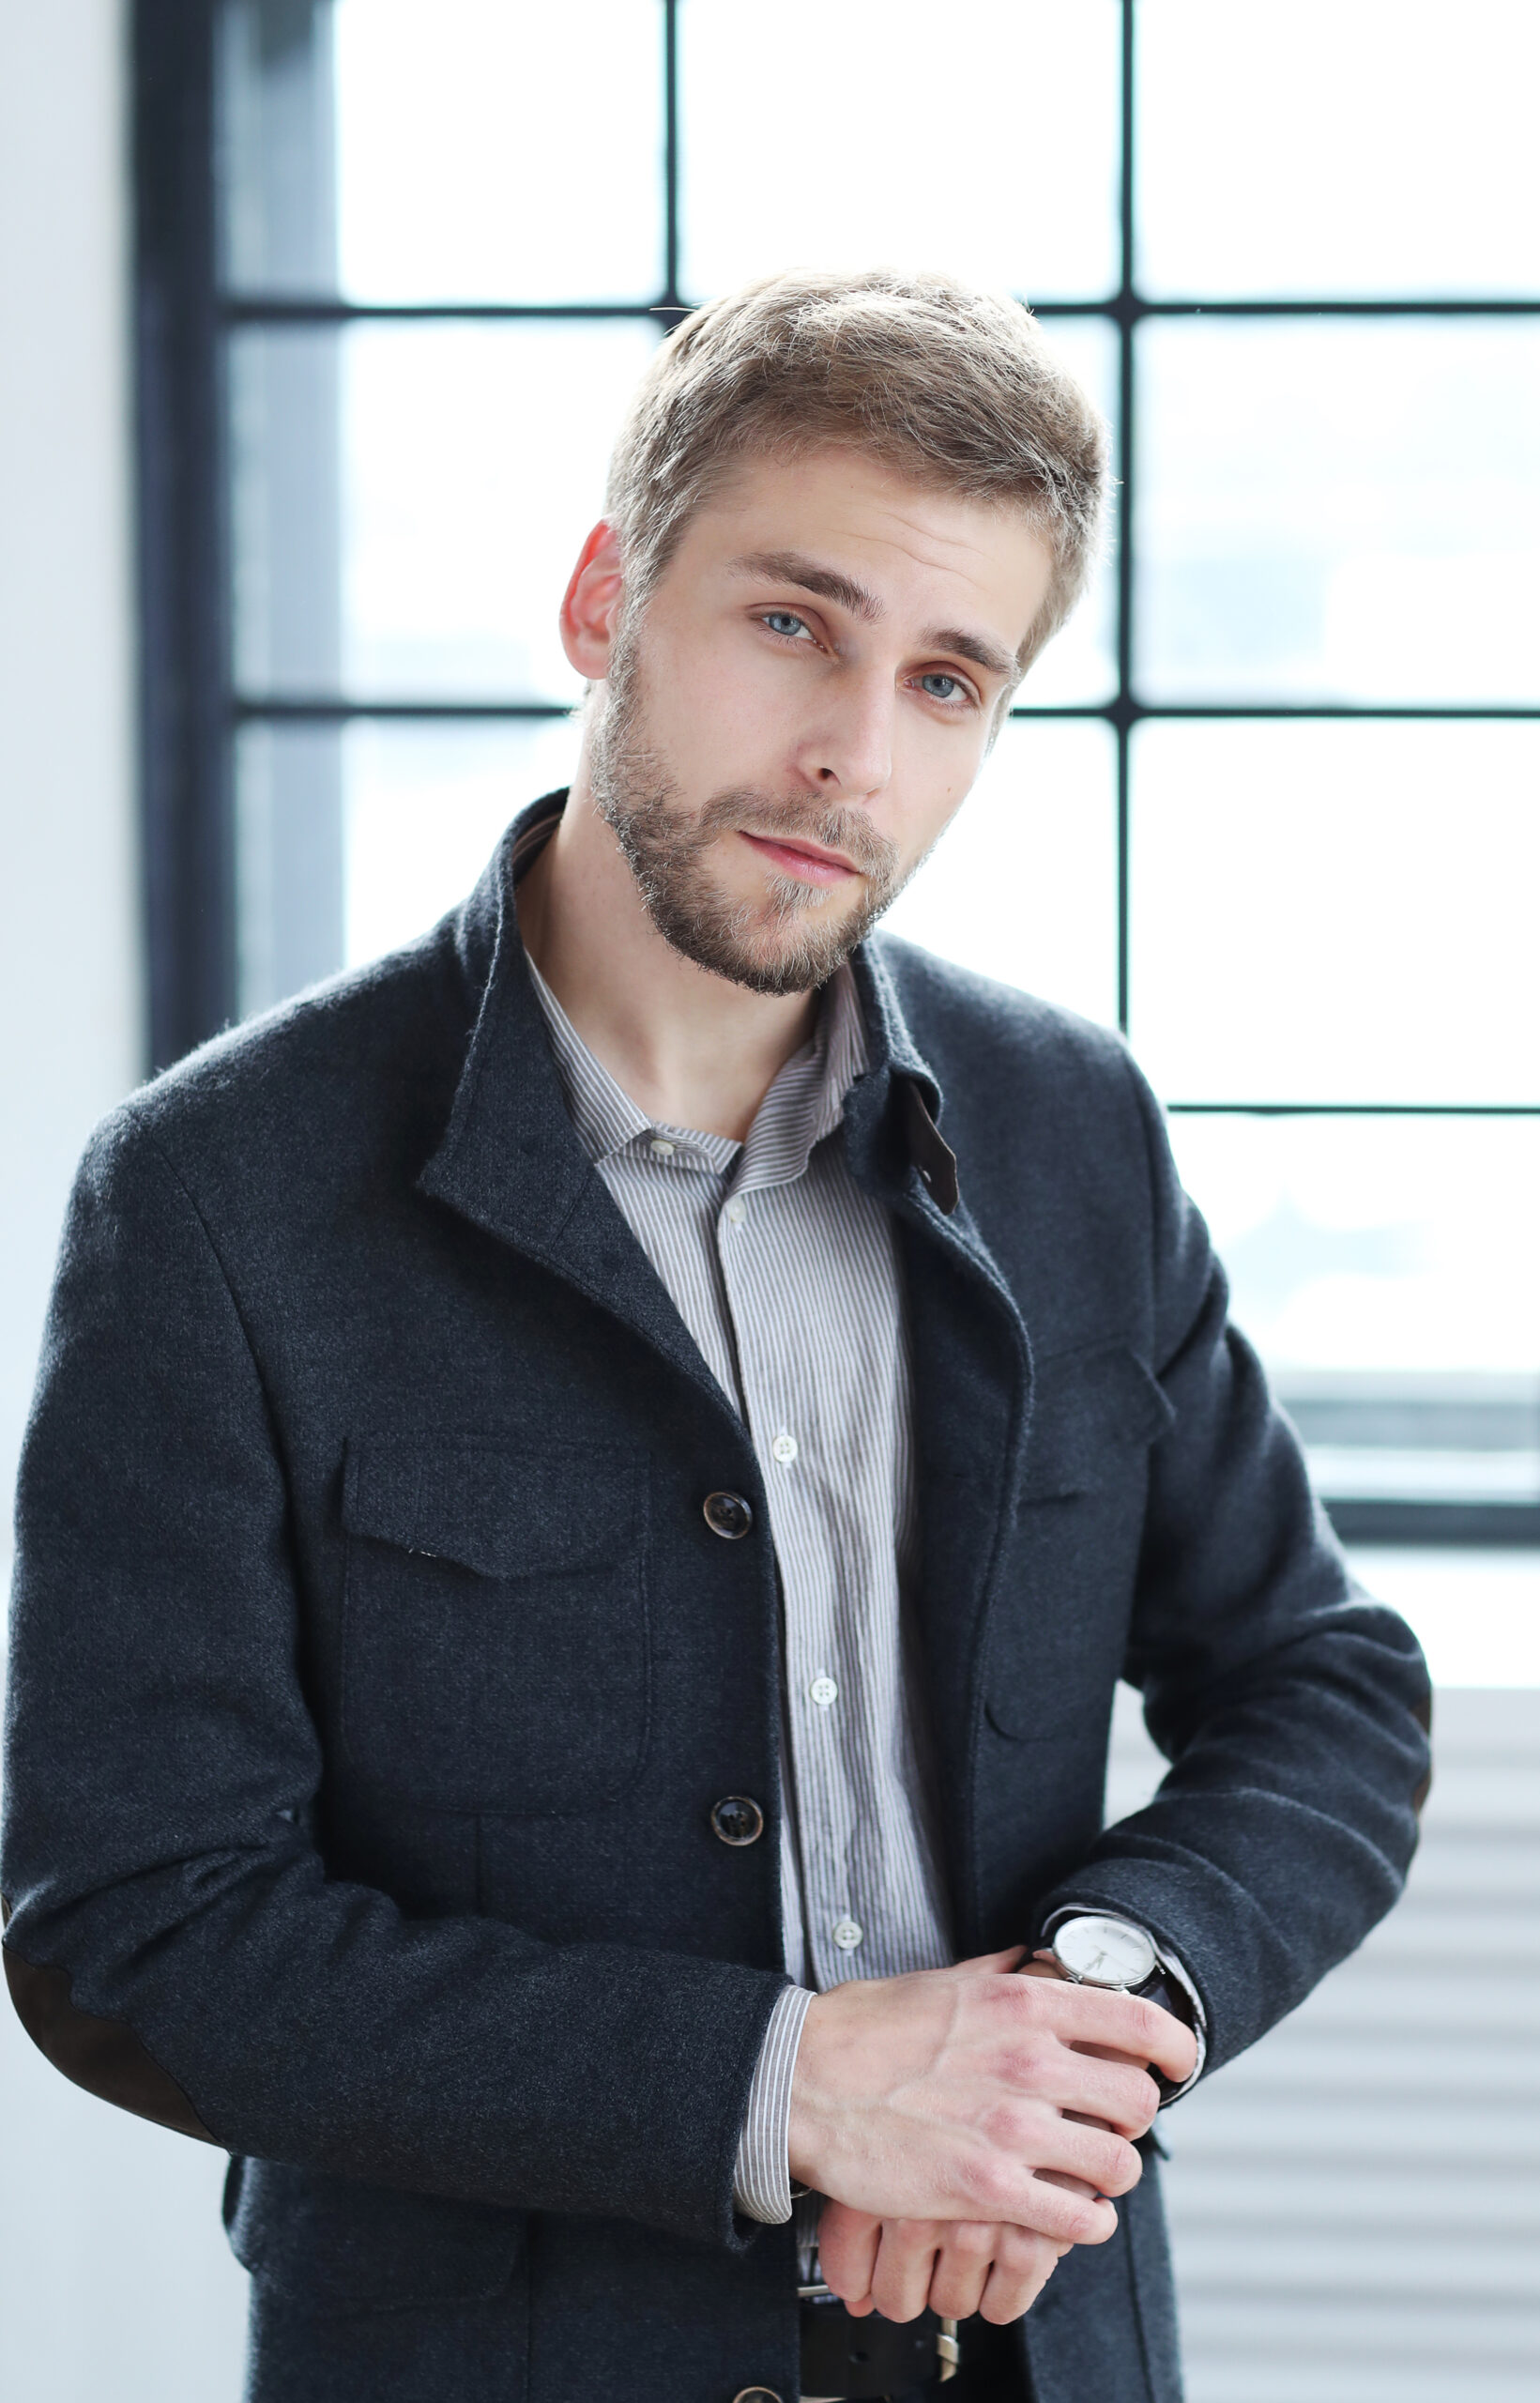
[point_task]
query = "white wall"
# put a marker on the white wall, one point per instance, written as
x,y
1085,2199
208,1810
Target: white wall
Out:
x,y
115,2281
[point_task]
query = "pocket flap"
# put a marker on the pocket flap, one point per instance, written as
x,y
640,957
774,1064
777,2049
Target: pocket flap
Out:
x,y
343,2245
1086,1405
499,1506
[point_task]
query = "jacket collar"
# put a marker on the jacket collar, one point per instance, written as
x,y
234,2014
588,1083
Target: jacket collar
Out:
x,y
508,1042
511,1160
902,1098
508,1158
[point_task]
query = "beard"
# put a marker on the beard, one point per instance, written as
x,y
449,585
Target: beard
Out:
x,y
790,941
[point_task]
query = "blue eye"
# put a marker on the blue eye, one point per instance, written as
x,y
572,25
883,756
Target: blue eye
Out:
x,y
954,684
785,621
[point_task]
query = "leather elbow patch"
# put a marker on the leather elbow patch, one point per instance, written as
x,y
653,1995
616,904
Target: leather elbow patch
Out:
x,y
1425,1721
102,2055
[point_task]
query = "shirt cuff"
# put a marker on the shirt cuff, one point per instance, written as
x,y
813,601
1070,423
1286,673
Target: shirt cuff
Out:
x,y
1176,1970
762,2174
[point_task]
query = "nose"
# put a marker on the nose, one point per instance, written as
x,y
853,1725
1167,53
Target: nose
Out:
x,y
847,753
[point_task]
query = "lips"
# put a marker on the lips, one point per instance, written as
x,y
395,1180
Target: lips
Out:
x,y
809,859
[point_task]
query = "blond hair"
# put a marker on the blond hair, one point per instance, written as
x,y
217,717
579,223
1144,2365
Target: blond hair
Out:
x,y
954,387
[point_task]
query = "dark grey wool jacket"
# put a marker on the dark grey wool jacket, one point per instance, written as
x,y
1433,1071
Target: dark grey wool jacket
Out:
x,y
374,1670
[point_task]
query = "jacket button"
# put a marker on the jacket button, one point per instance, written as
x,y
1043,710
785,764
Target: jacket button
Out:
x,y
757,2395
736,1819
727,1515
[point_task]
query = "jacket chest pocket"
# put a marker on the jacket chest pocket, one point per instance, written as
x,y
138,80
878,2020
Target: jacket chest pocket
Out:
x,y
1058,1636
495,1636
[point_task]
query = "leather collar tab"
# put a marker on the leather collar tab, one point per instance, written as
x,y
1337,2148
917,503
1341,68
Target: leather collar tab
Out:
x,y
934,1157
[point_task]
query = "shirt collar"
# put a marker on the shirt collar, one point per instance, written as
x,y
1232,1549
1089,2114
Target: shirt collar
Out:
x,y
805,1102
509,1160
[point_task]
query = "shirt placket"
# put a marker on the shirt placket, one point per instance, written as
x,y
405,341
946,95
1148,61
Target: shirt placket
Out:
x,y
760,1227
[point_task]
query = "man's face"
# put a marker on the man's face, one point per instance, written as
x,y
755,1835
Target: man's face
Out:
x,y
804,703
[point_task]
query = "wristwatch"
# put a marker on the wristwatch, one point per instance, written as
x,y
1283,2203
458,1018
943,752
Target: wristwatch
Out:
x,y
1094,1949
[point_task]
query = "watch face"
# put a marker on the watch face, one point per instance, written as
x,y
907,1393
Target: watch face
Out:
x,y
1105,1951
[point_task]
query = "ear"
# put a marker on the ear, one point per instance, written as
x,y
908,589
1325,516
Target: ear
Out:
x,y
592,603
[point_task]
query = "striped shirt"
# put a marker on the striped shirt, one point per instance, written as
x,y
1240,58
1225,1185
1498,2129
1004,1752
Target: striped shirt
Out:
x,y
786,1273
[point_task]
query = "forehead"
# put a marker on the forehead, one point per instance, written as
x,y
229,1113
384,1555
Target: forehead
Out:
x,y
900,537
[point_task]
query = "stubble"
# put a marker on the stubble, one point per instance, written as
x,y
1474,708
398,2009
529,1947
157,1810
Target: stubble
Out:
x,y
790,941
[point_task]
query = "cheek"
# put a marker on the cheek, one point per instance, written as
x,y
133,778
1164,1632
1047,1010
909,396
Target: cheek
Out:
x,y
717,720
937,779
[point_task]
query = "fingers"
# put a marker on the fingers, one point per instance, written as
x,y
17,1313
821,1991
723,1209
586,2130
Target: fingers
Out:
x,y
847,2249
1088,2086
906,2260
956,2267
1022,2264
1066,2210
963,2261
1103,2024
1176,2054
1123,2023
1024,2134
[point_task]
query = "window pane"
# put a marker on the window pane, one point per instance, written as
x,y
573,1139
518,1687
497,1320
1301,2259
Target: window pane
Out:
x,y
1336,912
1340,510
423,810
1318,148
1081,662
275,148
352,839
1388,1271
1024,885
289,897
828,132
462,465
469,151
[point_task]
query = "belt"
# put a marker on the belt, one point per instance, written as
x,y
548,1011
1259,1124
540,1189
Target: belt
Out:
x,y
845,2360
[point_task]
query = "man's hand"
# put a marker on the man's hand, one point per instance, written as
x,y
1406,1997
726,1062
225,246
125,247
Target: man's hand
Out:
x,y
955,2266
974,2094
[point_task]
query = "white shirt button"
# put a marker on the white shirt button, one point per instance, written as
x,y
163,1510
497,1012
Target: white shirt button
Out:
x,y
660,1148
738,1210
847,1934
784,1448
823,1690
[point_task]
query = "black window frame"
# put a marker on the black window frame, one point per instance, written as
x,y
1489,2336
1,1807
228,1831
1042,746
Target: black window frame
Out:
x,y
191,712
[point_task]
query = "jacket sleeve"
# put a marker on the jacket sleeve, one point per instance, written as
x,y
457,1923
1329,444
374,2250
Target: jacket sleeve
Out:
x,y
172,1939
1292,1707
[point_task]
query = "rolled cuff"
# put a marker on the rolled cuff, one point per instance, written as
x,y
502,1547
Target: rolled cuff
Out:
x,y
762,2175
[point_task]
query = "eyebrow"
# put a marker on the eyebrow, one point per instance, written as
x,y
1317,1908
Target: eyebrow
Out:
x,y
796,568
984,654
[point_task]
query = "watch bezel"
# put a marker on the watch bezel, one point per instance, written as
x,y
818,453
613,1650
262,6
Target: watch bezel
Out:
x,y
1126,1931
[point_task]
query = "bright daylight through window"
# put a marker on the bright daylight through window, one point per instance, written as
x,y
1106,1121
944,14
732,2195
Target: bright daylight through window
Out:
x,y
1272,802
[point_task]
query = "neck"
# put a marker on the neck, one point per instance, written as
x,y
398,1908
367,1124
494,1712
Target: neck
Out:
x,y
691,1048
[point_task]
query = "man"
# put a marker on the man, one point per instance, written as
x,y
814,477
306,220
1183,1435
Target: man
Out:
x,y
592,1484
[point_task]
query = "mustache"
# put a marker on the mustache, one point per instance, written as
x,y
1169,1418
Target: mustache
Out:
x,y
849,832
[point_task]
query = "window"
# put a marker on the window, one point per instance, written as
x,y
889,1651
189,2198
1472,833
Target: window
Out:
x,y
1273,802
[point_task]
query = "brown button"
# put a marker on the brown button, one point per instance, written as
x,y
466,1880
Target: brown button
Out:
x,y
727,1515
757,2395
737,1819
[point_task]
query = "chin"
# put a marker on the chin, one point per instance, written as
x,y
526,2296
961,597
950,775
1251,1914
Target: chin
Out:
x,y
778,959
